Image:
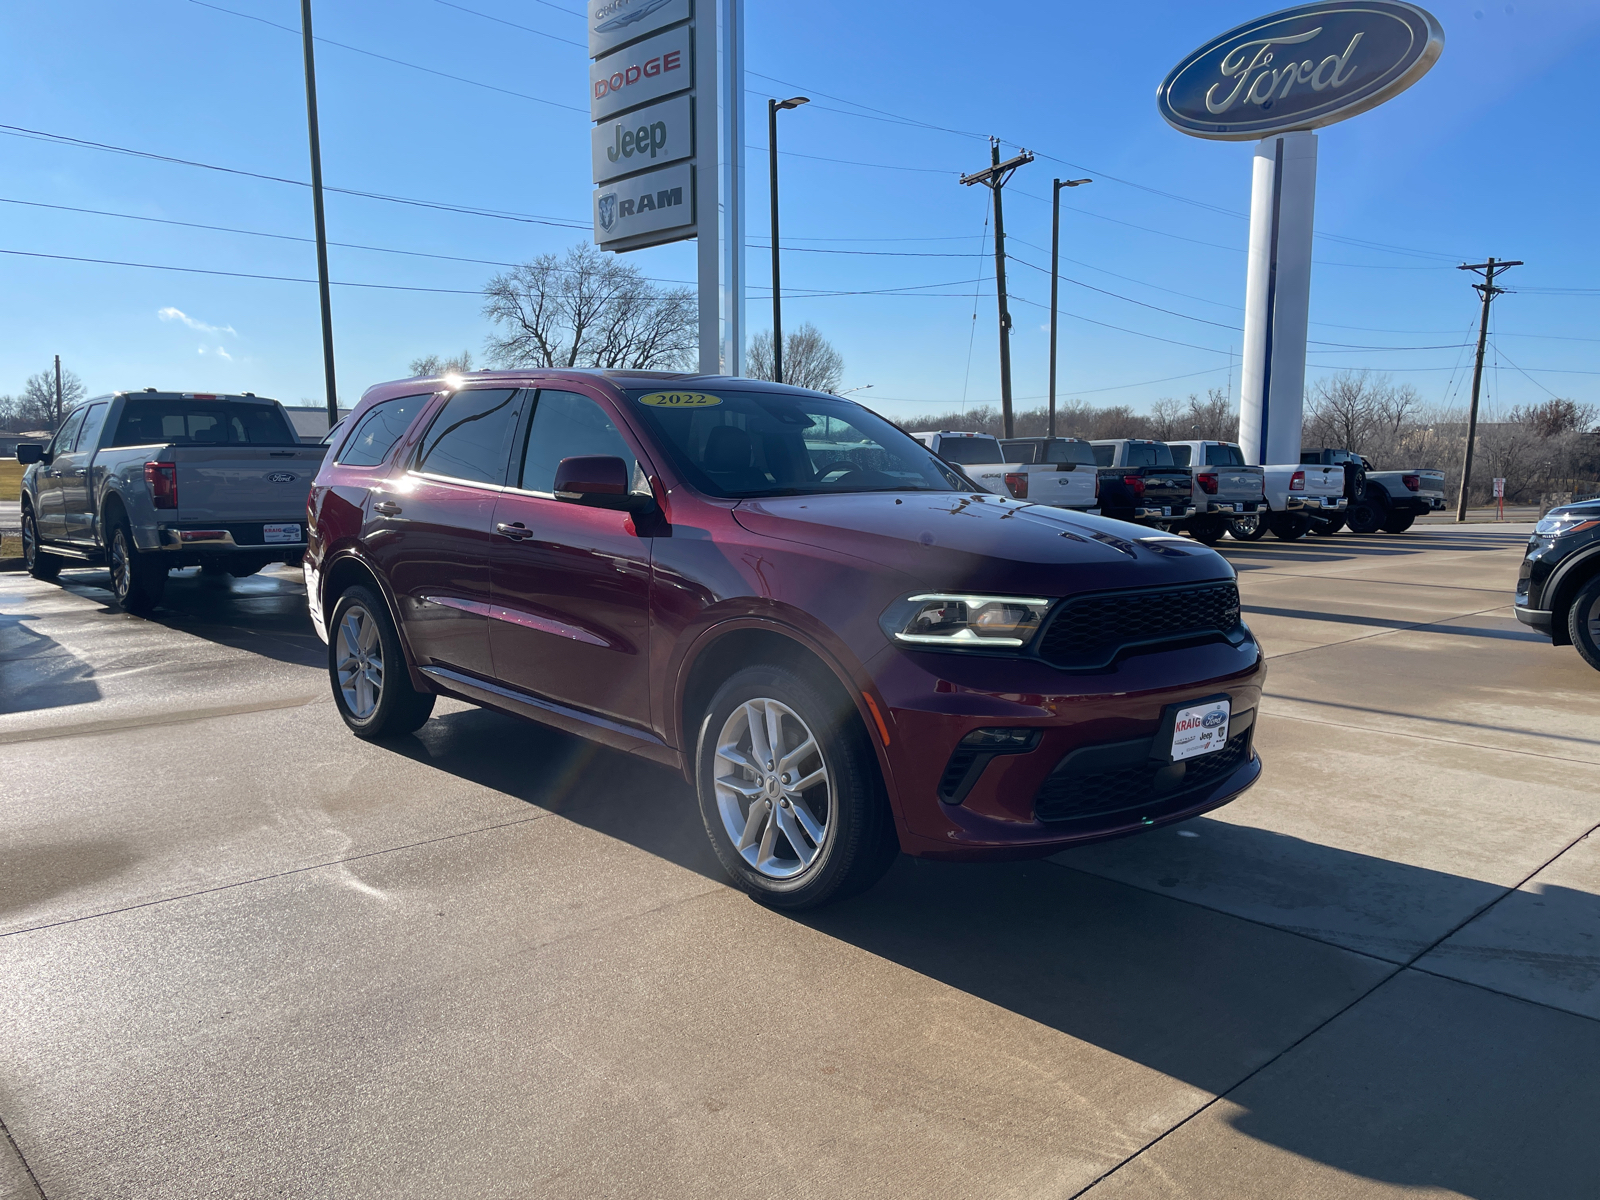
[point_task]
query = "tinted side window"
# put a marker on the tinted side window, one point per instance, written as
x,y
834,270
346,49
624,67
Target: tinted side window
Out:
x,y
89,435
1019,452
68,436
385,424
1223,456
471,437
566,425
1140,456
974,451
1103,455
1180,455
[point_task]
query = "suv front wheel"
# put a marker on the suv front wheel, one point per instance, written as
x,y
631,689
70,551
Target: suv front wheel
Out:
x,y
1583,622
790,792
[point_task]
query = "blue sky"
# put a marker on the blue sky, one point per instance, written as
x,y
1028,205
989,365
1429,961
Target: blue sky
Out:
x,y
1493,152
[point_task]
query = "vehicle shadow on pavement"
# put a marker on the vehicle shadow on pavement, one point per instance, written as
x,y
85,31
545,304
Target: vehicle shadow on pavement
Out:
x,y
1439,626
32,874
37,672
264,613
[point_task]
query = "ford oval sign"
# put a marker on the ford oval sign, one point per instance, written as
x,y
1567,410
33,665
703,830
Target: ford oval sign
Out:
x,y
282,477
1300,68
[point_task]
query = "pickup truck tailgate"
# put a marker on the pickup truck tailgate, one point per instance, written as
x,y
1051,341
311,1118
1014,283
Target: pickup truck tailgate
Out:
x,y
1324,481
235,483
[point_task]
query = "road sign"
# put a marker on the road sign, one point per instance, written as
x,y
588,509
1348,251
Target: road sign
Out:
x,y
1301,68
1499,488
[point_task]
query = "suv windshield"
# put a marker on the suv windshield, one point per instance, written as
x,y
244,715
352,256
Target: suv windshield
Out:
x,y
748,444
147,422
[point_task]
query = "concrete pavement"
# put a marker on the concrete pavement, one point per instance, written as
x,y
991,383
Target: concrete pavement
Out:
x,y
244,954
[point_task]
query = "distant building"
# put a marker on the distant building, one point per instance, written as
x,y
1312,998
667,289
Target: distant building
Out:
x,y
310,421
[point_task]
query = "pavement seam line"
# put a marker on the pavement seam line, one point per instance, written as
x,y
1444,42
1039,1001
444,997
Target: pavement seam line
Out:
x,y
224,887
17,1151
1383,632
1422,737
1400,970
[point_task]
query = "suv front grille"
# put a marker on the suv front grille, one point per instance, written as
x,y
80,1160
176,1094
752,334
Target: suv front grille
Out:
x,y
1089,631
1135,787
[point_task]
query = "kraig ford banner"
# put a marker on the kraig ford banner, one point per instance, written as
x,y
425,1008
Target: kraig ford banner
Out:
x,y
1300,68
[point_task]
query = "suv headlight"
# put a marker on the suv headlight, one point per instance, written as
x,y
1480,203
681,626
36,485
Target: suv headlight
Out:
x,y
959,621
1558,524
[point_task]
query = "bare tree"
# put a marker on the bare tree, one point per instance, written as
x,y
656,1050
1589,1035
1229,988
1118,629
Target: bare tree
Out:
x,y
433,364
38,405
588,309
809,359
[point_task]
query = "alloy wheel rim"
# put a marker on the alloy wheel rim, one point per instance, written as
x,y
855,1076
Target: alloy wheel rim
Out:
x,y
120,575
360,666
30,541
774,788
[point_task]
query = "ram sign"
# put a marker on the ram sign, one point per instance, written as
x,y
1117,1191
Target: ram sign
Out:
x,y
1300,69
654,202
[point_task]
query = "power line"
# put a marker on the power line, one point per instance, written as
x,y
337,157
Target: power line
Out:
x,y
112,262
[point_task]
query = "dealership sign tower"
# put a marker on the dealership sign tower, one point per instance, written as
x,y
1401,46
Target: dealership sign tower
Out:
x,y
653,96
1277,79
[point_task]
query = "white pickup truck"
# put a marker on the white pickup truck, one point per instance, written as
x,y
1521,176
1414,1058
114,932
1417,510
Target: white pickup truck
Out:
x,y
1059,472
1299,499
142,482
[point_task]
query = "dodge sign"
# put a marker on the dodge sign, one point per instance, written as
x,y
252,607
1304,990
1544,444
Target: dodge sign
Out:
x,y
1300,68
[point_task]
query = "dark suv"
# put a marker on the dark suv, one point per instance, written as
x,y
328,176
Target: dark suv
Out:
x,y
844,648
1558,588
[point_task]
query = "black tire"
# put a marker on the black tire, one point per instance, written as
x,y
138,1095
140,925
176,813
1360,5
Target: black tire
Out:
x,y
1399,522
1249,529
136,583
213,570
1327,528
858,842
1366,515
1583,622
40,563
1208,531
1289,527
362,636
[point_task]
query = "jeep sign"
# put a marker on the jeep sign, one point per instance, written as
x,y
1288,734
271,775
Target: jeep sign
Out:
x,y
1300,68
648,203
646,137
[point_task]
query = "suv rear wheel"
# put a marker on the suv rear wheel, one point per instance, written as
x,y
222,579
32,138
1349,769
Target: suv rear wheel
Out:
x,y
790,792
367,668
1583,622
40,563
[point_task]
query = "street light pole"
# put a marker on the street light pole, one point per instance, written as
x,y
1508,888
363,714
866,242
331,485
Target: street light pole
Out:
x,y
1055,264
774,107
316,208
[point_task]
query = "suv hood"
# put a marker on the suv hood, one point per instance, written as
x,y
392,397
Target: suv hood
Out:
x,y
985,543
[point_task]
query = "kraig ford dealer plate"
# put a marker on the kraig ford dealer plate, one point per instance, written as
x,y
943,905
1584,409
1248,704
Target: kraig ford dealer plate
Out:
x,y
1200,729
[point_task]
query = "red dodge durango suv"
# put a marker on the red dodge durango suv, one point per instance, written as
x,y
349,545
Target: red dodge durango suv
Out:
x,y
845,648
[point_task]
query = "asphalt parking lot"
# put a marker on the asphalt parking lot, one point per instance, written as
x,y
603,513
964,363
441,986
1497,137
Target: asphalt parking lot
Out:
x,y
243,954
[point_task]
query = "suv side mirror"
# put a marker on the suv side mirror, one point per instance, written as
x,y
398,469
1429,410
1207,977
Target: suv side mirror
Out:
x,y
600,481
29,452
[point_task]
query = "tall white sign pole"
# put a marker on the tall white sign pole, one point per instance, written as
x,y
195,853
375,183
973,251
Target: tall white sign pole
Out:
x,y
1277,305
731,20
707,133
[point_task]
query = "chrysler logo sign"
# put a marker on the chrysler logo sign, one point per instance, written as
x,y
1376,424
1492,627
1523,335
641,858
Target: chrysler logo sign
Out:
x,y
1300,68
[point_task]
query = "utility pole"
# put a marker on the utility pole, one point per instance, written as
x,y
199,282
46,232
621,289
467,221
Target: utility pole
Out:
x,y
994,177
58,391
774,107
1055,263
316,208
1488,291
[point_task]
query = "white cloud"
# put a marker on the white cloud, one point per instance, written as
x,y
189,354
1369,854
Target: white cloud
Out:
x,y
221,353
172,314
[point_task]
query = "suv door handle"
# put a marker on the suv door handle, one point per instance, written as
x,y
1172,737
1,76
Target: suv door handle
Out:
x,y
516,531
387,507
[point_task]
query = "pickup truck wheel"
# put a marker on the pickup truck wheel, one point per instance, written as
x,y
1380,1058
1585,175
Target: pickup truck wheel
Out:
x,y
40,564
136,583
1327,528
1583,622
1208,532
1366,515
371,686
1248,529
1290,527
789,791
1399,522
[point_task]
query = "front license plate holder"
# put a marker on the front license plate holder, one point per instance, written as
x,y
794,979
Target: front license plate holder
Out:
x,y
1184,734
281,533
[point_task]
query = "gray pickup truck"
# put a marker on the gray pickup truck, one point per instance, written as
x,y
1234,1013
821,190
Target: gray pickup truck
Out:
x,y
1226,488
143,482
